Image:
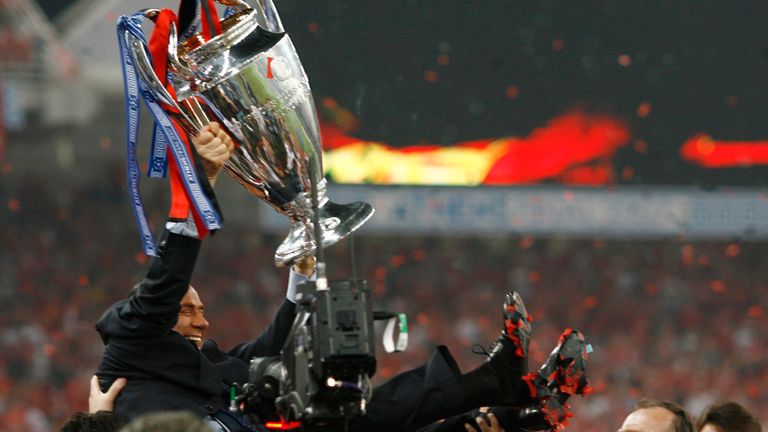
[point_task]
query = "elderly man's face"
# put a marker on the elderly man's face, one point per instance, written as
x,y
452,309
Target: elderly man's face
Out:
x,y
654,419
192,324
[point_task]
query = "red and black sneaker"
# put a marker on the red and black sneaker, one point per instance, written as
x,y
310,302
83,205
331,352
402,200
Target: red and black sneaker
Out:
x,y
563,374
566,368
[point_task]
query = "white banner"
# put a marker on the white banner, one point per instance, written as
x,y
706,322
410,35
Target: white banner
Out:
x,y
632,212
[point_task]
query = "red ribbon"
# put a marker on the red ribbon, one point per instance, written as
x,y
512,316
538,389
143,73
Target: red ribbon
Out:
x,y
209,17
158,48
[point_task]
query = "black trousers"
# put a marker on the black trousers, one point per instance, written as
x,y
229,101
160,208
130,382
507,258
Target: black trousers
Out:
x,y
417,398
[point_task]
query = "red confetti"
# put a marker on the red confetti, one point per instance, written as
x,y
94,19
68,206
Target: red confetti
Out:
x,y
687,255
13,204
627,173
755,311
380,273
330,103
640,146
379,288
624,60
422,319
651,289
717,286
418,255
534,276
526,242
644,109
397,260
590,302
140,258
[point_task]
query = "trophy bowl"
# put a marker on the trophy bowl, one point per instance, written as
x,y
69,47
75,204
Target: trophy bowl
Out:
x,y
250,79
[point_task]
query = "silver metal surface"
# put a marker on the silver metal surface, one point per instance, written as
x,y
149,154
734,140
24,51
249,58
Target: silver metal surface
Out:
x,y
250,79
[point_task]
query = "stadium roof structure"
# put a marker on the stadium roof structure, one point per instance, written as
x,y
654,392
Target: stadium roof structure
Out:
x,y
31,46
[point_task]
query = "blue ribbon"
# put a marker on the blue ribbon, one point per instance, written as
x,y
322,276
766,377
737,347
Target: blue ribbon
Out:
x,y
164,134
158,155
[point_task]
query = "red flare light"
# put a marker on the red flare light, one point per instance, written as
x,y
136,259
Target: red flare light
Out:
x,y
705,151
283,425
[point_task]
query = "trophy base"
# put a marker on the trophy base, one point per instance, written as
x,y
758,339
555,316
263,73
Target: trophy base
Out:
x,y
336,222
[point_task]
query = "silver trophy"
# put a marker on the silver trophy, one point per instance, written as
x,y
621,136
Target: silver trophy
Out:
x,y
249,79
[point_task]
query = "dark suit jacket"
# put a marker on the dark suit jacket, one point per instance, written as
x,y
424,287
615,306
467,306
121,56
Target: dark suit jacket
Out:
x,y
164,370
167,372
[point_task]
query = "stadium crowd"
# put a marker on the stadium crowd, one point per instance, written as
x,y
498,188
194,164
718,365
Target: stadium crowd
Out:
x,y
670,319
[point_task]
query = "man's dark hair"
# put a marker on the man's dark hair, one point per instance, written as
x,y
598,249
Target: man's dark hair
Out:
x,y
102,421
731,417
682,421
167,421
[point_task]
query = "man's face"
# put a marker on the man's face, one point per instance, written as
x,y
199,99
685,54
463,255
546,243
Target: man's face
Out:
x,y
192,323
654,419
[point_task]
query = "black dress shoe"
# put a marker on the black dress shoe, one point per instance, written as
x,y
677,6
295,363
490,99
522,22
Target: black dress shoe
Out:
x,y
507,360
499,381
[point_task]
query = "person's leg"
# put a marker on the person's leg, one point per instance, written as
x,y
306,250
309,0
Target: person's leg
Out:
x,y
416,398
498,380
438,390
561,376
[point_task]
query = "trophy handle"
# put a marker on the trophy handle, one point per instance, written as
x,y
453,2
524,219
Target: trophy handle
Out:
x,y
187,74
147,74
267,16
239,4
151,13
173,56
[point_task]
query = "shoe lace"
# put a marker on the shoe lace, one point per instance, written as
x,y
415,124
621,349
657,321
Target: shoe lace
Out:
x,y
481,350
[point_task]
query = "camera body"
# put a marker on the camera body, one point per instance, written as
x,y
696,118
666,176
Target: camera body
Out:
x,y
322,378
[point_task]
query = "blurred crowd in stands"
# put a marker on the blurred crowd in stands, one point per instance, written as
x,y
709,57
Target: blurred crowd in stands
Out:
x,y
670,319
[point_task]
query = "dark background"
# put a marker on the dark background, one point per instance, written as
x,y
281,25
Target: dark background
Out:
x,y
700,65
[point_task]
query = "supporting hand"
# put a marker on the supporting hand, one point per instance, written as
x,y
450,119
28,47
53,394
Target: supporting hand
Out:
x,y
490,425
99,401
305,265
214,147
